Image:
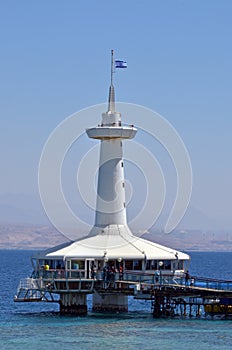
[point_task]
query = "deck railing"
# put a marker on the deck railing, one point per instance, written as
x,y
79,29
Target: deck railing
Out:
x,y
140,277
210,283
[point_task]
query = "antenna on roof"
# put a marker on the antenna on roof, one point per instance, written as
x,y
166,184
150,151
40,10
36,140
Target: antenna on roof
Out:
x,y
112,67
111,101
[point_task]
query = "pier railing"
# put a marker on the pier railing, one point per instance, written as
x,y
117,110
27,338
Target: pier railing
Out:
x,y
210,283
43,284
173,279
137,277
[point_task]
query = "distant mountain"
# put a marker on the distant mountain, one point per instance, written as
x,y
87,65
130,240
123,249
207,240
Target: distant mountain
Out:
x,y
24,225
26,236
27,208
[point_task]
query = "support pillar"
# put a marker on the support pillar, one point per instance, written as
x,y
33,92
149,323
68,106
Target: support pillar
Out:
x,y
185,313
111,303
159,301
73,304
198,310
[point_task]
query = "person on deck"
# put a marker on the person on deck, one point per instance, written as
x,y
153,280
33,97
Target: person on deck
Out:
x,y
157,275
187,278
120,273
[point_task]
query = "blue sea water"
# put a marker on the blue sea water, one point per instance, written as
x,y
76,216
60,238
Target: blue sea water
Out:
x,y
39,326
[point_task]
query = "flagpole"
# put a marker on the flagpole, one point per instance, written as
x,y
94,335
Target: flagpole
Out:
x,y
112,66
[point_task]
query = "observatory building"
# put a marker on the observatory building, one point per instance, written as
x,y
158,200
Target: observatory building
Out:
x,y
110,262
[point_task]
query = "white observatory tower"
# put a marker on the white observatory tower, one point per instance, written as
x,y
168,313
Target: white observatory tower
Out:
x,y
76,269
111,207
110,217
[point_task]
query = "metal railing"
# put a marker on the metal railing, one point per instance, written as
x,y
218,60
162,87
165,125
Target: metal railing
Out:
x,y
210,283
141,277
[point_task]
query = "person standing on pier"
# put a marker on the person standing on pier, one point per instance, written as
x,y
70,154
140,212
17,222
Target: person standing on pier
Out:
x,y
187,277
157,274
120,273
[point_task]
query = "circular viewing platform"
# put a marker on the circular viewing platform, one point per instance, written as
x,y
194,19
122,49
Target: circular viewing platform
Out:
x,y
109,132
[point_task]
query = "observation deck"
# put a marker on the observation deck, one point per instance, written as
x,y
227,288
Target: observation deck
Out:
x,y
112,132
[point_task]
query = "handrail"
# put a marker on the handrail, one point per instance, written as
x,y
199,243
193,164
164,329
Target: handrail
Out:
x,y
209,279
163,278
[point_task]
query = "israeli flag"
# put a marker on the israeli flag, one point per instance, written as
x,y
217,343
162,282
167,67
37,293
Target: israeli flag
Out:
x,y
120,64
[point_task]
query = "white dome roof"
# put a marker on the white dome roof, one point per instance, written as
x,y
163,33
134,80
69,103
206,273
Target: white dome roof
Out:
x,y
113,242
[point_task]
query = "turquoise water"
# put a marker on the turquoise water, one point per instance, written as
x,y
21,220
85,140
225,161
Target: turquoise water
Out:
x,y
47,331
39,326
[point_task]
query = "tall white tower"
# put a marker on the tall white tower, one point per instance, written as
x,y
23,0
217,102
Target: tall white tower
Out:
x,y
110,217
109,242
111,205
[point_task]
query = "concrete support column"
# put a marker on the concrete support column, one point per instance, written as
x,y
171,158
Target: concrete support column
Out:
x,y
73,303
113,303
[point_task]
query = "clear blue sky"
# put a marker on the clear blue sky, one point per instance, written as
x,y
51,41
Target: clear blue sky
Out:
x,y
55,61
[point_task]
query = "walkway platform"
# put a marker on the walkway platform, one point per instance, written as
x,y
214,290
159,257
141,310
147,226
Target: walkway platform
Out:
x,y
170,296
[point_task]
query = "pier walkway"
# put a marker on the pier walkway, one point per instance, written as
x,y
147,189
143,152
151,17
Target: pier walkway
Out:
x,y
170,294
131,283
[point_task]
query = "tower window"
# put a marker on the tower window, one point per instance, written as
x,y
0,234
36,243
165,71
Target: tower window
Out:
x,y
124,204
123,184
122,164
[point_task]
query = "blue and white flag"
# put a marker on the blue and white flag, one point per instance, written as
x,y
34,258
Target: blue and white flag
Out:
x,y
120,64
